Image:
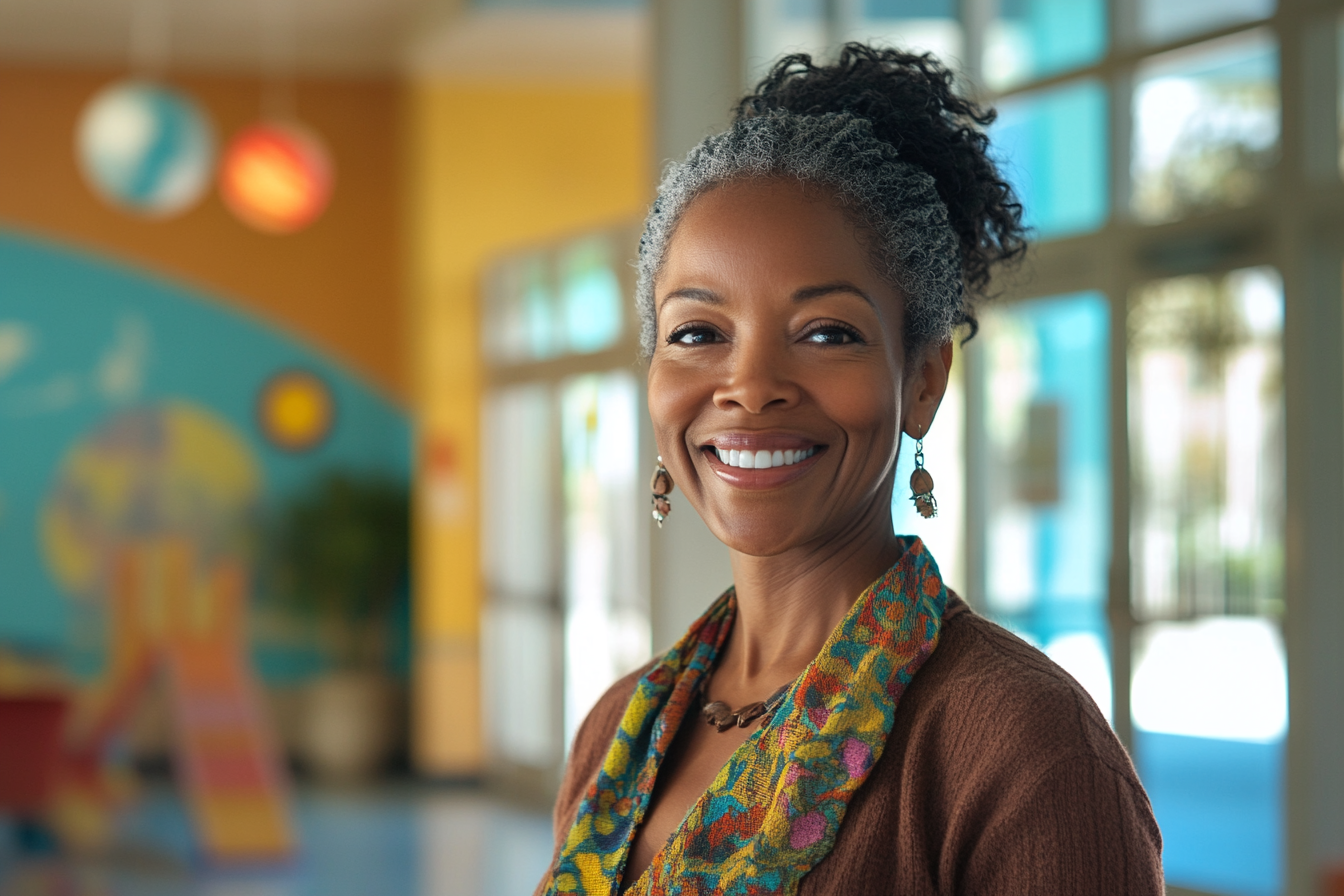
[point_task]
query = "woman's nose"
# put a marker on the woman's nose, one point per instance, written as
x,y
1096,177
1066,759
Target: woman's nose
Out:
x,y
758,378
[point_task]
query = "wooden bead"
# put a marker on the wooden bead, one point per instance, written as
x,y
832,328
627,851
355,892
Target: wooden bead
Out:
x,y
719,714
749,713
921,483
662,482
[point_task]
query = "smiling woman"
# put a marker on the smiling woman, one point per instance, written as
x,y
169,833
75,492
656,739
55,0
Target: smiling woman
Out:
x,y
801,278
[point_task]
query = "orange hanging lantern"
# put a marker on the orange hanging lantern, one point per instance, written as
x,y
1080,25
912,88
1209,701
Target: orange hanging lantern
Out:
x,y
276,176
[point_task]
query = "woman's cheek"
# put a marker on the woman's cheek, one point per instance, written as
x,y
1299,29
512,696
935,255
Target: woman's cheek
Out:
x,y
676,393
861,401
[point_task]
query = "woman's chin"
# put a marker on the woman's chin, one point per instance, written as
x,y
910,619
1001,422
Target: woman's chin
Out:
x,y
760,533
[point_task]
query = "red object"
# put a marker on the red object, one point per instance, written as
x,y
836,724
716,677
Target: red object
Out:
x,y
1334,881
276,176
30,750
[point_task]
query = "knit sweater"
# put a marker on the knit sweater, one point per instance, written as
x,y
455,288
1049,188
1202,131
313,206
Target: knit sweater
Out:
x,y
1000,777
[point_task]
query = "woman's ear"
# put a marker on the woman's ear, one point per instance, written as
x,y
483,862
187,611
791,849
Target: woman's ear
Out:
x,y
925,389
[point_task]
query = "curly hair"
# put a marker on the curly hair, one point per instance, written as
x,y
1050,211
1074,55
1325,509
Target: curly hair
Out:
x,y
887,132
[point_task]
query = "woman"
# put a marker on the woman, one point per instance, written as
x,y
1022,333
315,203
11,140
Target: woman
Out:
x,y
801,276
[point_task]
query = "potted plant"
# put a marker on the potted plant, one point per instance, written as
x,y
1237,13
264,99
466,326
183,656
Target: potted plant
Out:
x,y
340,557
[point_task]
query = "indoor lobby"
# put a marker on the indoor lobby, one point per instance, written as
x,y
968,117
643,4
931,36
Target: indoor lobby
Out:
x,y
324,435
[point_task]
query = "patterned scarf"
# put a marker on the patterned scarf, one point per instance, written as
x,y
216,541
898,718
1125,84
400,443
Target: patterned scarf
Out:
x,y
774,810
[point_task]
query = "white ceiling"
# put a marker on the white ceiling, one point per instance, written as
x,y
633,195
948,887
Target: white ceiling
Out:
x,y
328,37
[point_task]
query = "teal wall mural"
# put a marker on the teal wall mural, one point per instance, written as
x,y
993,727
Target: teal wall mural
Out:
x,y
106,372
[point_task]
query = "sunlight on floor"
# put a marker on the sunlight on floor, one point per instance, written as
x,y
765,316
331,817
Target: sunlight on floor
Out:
x,y
423,842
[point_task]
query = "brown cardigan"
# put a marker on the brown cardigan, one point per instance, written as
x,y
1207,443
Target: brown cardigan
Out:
x,y
1000,777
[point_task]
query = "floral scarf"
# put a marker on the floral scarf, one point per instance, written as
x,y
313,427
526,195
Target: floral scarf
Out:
x,y
774,810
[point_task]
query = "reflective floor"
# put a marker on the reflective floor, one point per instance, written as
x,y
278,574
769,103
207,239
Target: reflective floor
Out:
x,y
380,843
1219,804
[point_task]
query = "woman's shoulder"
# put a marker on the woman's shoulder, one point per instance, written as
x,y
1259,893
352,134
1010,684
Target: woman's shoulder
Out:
x,y
1000,775
987,682
989,712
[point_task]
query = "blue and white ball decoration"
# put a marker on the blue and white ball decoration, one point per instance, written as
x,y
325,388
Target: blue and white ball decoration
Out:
x,y
146,148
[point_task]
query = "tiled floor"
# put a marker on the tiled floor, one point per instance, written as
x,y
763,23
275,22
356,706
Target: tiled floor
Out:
x,y
381,843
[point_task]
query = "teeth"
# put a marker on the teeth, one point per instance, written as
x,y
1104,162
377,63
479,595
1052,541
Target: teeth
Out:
x,y
762,460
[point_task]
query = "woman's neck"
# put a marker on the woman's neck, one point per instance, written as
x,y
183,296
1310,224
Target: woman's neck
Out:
x,y
788,604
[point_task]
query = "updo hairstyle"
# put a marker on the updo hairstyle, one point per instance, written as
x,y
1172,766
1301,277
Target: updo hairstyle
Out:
x,y
887,134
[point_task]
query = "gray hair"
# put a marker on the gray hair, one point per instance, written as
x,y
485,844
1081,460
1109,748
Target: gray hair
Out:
x,y
915,245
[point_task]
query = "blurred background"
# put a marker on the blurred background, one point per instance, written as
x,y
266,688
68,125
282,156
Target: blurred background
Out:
x,y
323,445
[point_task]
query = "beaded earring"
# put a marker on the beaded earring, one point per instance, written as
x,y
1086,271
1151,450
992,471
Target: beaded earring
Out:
x,y
661,486
921,483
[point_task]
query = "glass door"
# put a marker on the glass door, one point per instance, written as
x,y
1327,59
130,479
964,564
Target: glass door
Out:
x,y
1209,689
567,609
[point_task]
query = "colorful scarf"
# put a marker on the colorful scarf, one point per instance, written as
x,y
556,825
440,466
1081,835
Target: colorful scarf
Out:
x,y
774,810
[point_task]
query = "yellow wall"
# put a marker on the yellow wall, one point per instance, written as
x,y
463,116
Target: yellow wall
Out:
x,y
336,284
489,168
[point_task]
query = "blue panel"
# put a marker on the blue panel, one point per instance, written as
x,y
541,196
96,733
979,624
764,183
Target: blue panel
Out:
x,y
83,340
1164,20
1045,477
1053,149
1219,805
1033,38
909,9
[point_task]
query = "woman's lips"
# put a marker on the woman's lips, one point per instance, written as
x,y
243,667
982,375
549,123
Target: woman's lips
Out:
x,y
786,464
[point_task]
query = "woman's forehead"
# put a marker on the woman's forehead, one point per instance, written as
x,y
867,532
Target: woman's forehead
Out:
x,y
777,229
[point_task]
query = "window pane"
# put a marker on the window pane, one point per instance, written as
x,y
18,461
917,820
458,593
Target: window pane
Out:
x,y
606,612
518,323
521,706
1052,145
1045,474
591,294
1206,127
776,27
1206,547
1032,38
1165,20
913,25
944,458
550,302
1206,433
519,630
517,485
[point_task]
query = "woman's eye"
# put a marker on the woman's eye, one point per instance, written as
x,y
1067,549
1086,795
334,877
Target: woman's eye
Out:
x,y
693,336
831,336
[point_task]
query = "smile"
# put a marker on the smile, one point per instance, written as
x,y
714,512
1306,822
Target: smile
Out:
x,y
762,460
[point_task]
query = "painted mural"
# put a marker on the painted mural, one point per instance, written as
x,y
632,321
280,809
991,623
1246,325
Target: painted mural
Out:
x,y
135,410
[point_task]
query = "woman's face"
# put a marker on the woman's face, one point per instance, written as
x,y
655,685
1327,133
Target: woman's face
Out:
x,y
779,342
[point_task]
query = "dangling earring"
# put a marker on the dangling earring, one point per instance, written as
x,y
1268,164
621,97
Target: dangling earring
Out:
x,y
662,487
921,483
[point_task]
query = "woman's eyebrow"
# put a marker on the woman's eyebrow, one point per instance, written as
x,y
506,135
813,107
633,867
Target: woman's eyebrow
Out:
x,y
695,294
826,289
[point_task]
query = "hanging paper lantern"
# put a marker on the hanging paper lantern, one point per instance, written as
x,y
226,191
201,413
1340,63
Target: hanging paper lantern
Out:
x,y
146,147
276,176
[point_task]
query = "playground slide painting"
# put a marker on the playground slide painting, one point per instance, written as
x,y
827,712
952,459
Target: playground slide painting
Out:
x,y
141,437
